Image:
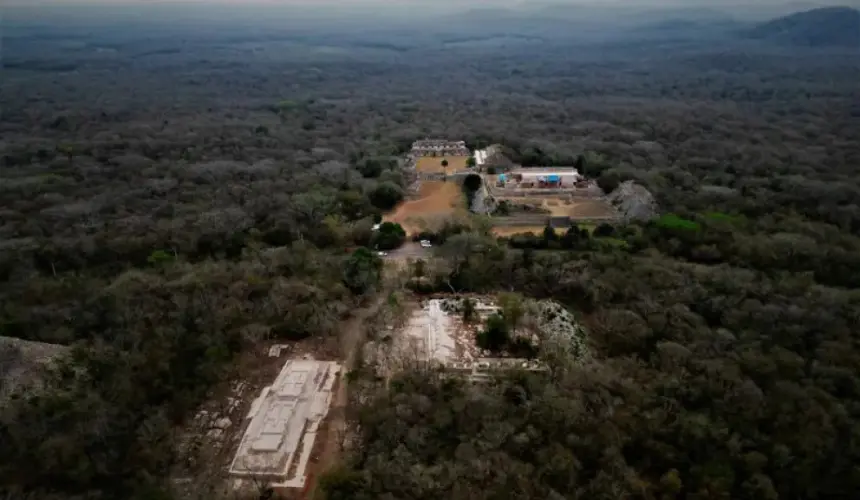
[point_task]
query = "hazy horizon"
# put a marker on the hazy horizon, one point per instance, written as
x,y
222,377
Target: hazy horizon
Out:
x,y
263,12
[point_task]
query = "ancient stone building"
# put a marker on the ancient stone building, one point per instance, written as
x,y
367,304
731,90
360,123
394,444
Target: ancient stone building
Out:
x,y
439,147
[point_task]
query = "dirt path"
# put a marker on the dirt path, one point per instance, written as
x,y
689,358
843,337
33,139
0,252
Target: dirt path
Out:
x,y
331,446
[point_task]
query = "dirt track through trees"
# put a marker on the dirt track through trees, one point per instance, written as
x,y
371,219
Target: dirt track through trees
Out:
x,y
332,441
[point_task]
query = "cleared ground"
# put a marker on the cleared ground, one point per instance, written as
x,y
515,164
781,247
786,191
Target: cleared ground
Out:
x,y
433,164
437,200
559,206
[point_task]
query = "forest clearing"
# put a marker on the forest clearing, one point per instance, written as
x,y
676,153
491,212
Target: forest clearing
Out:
x,y
436,201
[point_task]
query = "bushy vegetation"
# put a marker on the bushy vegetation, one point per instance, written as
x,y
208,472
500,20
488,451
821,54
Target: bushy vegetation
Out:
x,y
389,236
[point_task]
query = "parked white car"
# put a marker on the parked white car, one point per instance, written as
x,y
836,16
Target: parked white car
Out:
x,y
425,244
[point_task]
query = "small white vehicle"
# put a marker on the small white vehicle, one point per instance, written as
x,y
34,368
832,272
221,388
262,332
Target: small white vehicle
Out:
x,y
425,244
382,254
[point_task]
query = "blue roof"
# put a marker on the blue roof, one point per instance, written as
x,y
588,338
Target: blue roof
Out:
x,y
553,178
502,177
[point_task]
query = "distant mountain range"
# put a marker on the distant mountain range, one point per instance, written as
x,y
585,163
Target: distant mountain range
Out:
x,y
824,27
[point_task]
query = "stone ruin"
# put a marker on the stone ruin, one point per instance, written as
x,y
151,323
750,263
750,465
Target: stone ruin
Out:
x,y
282,424
434,336
439,147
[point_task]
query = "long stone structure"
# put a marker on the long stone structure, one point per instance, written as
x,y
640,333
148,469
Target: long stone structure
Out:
x,y
439,147
283,423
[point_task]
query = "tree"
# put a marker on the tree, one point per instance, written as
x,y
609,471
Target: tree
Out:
x,y
470,162
608,181
362,271
389,236
472,182
369,167
386,195
444,163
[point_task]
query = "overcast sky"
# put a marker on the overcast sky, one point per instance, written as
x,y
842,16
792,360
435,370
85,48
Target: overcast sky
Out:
x,y
450,3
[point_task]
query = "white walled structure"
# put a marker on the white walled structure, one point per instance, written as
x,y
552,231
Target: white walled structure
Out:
x,y
283,423
434,335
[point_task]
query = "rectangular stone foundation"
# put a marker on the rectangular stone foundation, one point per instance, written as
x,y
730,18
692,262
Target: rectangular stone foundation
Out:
x,y
283,422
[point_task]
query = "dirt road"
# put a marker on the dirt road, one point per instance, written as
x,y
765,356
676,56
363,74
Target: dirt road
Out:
x,y
331,446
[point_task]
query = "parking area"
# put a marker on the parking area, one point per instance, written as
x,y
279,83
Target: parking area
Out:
x,y
409,250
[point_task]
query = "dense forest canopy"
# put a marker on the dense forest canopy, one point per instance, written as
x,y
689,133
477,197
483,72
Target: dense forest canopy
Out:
x,y
171,196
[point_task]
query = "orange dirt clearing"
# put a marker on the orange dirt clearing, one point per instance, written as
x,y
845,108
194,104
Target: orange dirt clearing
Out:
x,y
437,200
433,164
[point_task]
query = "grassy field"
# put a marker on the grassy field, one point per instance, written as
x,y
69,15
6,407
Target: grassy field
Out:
x,y
433,164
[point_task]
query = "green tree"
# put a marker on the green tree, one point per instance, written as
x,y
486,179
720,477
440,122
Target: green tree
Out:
x,y
386,195
470,162
444,163
389,236
362,271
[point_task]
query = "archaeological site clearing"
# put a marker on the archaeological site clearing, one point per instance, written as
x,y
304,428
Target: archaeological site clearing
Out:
x,y
437,335
519,199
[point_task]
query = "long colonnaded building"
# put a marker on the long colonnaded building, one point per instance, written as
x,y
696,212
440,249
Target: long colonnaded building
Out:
x,y
439,147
